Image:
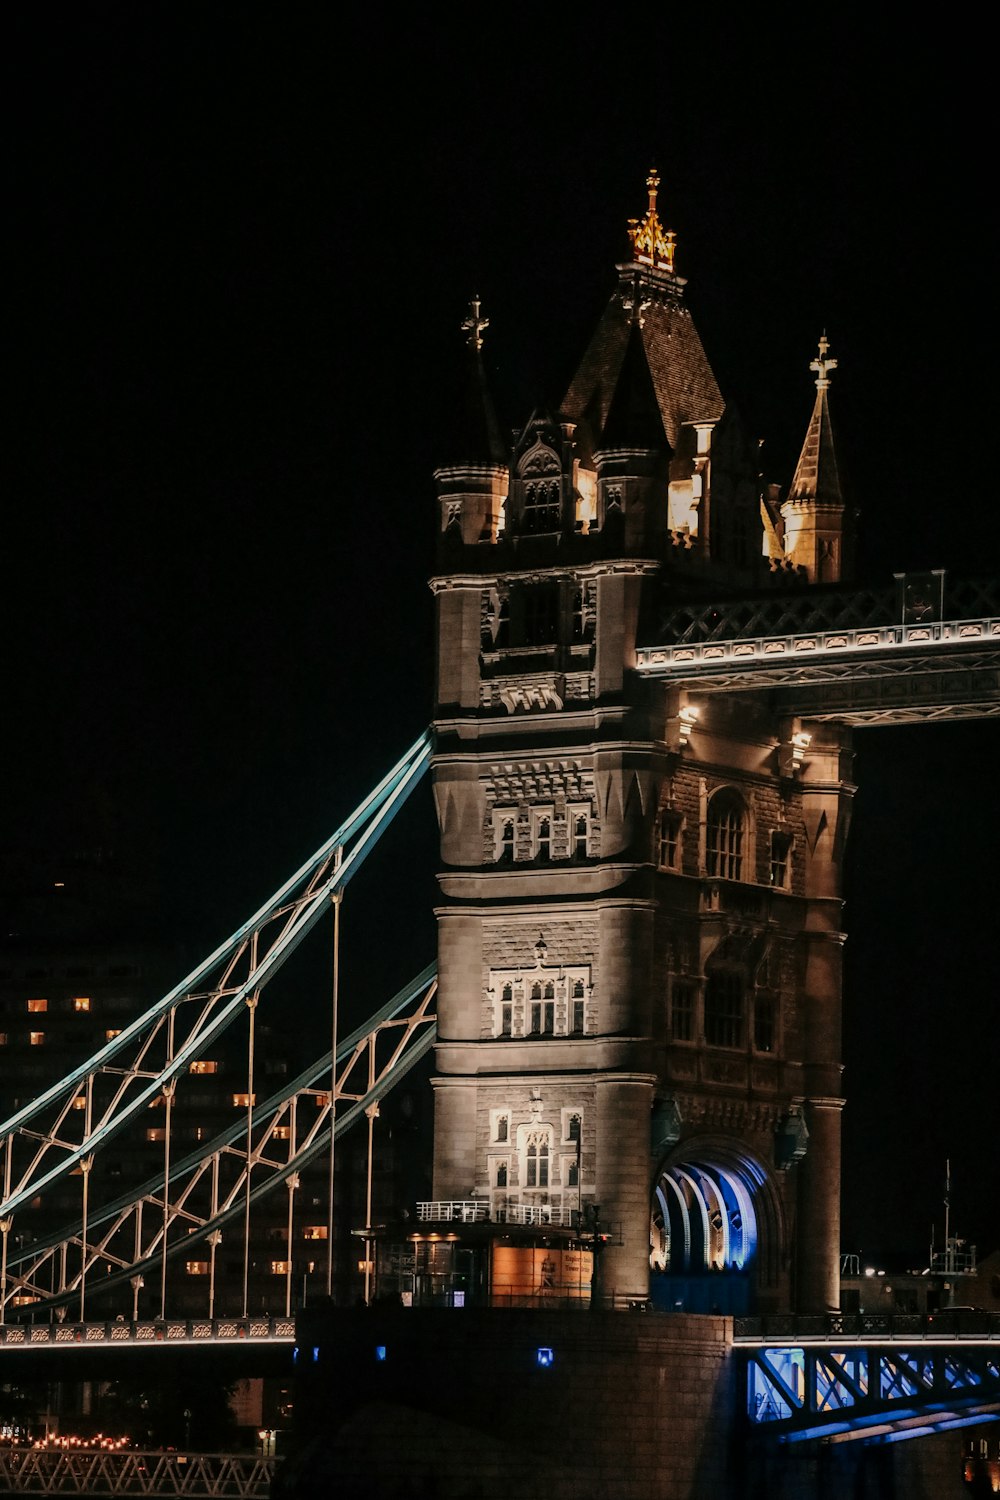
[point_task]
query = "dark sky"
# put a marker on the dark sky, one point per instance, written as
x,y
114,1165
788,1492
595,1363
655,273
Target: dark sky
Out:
x,y
243,241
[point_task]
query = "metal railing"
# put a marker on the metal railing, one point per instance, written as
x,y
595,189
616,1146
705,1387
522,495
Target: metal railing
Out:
x,y
148,1333
789,1328
477,1211
78,1471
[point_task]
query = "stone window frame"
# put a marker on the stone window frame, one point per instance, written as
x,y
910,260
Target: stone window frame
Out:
x,y
669,850
682,984
729,842
781,847
565,979
500,1126
725,1023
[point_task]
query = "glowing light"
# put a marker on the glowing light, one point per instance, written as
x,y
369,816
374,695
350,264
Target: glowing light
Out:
x,y
544,1358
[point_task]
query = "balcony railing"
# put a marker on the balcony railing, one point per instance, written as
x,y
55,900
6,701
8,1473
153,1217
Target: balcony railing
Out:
x,y
477,1211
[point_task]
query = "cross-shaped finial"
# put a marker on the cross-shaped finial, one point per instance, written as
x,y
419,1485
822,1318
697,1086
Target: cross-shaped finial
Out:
x,y
822,365
653,182
475,325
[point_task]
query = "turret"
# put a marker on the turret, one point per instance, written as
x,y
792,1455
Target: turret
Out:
x,y
813,514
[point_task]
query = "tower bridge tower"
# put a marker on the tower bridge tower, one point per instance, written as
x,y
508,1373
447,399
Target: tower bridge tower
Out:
x,y
640,920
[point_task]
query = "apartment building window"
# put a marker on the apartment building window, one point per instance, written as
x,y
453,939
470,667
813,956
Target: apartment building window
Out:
x,y
280,1267
37,1007
244,1101
196,1267
111,1033
204,1065
81,1004
314,1232
36,1038
156,1133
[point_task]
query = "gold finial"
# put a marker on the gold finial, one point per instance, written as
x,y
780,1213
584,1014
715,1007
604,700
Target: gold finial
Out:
x,y
822,365
651,243
474,325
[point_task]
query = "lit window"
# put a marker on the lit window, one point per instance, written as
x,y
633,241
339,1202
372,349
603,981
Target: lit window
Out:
x,y
3,1038
280,1267
314,1232
80,1102
669,840
156,1133
37,1038
537,1163
244,1101
682,1012
109,1036
282,1132
81,1003
724,1009
196,1267
203,1066
37,1007
726,831
781,858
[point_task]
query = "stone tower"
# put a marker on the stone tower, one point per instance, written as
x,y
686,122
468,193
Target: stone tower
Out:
x,y
639,933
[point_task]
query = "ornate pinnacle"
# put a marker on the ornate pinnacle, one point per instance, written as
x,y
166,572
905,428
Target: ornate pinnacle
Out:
x,y
651,243
822,365
475,325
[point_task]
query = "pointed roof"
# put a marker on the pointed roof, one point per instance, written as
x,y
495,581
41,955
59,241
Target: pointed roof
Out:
x,y
650,296
475,437
634,419
817,475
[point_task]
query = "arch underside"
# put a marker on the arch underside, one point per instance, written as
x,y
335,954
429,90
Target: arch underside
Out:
x,y
705,1230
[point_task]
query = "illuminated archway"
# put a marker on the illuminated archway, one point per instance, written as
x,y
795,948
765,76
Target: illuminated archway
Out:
x,y
705,1230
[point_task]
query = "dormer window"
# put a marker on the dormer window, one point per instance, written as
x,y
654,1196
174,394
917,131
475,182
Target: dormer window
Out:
x,y
542,508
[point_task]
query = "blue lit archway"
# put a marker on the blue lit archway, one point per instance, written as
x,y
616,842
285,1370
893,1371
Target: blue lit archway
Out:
x,y
705,1230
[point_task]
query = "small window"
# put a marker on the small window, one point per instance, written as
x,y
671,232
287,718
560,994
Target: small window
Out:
x,y
244,1101
505,842
506,1010
81,1003
502,1128
543,840
3,1039
37,1007
280,1267
573,1174
668,850
764,1016
726,836
196,1267
314,1232
156,1133
501,1177
580,835
682,1012
110,1034
724,1009
203,1065
573,1128
80,1101
282,1133
781,859
36,1038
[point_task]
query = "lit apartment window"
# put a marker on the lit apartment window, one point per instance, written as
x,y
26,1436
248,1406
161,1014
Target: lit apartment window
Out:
x,y
80,1102
196,1267
282,1132
81,1003
204,1066
3,1039
37,1007
314,1232
156,1133
243,1101
279,1267
110,1035
36,1038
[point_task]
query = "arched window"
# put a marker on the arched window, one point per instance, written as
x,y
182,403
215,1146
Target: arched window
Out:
x,y
505,842
506,1010
502,1128
543,845
727,822
580,836
536,1162
578,1012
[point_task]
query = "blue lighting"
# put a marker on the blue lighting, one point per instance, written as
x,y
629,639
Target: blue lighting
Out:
x,y
380,1353
544,1357
315,1353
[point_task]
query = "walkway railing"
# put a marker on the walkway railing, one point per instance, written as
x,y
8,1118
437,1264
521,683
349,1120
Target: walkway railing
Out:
x,y
788,1328
149,1333
477,1211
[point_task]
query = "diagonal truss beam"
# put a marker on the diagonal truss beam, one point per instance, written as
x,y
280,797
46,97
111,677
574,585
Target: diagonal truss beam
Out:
x,y
59,1131
208,1188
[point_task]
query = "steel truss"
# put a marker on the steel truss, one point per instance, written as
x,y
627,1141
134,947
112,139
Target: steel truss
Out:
x,y
870,1392
60,1132
202,1476
211,1187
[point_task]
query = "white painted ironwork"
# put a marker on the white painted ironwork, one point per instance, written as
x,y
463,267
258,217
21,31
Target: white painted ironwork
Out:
x,y
477,1211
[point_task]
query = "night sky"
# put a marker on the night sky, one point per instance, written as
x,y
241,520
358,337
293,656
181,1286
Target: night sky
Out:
x,y
243,243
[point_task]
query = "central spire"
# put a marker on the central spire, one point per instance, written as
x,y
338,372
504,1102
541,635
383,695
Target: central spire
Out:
x,y
651,243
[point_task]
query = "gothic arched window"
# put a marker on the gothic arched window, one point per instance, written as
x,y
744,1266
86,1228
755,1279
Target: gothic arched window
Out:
x,y
726,833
